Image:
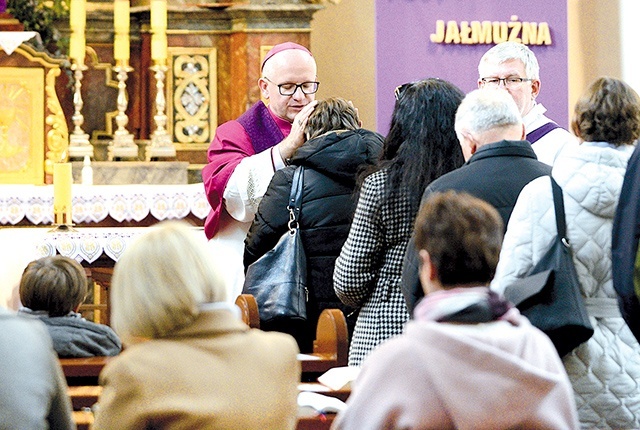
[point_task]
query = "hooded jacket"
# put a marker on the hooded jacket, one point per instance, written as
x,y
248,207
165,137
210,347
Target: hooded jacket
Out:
x,y
332,162
604,370
493,375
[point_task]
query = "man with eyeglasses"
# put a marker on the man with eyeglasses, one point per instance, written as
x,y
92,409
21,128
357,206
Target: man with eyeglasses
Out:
x,y
514,67
245,152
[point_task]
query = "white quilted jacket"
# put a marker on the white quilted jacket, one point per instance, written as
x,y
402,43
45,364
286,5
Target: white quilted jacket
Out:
x,y
605,371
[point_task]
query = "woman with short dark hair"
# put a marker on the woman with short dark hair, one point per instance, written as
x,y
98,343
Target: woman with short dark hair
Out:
x,y
335,152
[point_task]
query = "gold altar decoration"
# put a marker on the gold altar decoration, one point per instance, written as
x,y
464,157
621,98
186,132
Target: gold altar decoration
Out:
x,y
193,107
29,142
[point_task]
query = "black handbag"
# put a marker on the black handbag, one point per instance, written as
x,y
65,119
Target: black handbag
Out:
x,y
550,296
278,279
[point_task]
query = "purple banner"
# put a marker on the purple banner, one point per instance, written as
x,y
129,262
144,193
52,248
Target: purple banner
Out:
x,y
406,53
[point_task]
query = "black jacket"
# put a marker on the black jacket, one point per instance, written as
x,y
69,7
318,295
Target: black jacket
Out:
x,y
332,163
496,173
624,246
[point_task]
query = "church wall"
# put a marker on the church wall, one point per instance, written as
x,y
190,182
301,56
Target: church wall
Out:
x,y
599,43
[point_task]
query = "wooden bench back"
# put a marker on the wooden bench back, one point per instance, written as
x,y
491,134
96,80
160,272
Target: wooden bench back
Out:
x,y
332,336
249,310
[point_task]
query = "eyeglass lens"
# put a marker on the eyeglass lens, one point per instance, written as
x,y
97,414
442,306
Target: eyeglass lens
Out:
x,y
305,87
510,82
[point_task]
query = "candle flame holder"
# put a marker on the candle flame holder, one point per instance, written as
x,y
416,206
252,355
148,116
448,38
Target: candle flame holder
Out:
x,y
161,141
79,145
122,144
62,220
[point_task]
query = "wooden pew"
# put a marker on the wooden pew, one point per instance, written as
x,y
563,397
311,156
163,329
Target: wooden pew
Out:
x,y
331,347
249,310
318,422
84,396
83,371
83,419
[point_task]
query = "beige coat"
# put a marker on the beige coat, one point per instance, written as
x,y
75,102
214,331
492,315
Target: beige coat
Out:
x,y
215,374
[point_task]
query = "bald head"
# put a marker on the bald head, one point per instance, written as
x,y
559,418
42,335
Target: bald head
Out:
x,y
289,61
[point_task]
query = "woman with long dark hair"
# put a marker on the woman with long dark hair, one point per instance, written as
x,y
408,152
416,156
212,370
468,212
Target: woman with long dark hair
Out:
x,y
420,147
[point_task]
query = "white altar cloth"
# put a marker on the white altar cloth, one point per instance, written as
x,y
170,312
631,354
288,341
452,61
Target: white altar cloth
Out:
x,y
92,204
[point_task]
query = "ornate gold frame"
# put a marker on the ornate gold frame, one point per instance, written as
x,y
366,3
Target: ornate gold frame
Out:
x,y
30,98
204,83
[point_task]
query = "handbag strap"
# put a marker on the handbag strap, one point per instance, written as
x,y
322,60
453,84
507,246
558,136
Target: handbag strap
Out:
x,y
295,198
558,204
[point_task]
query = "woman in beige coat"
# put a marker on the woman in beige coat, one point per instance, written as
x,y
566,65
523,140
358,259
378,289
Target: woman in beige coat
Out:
x,y
190,362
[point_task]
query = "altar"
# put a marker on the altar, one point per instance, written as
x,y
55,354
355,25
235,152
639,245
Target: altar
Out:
x,y
96,248
105,205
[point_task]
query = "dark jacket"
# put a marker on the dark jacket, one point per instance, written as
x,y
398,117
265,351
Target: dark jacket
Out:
x,y
496,173
624,244
332,162
74,336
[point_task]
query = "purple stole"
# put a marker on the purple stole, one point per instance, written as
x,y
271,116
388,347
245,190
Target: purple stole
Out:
x,y
261,128
541,131
263,132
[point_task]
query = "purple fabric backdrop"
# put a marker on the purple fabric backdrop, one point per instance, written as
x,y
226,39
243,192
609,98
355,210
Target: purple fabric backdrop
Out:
x,y
405,52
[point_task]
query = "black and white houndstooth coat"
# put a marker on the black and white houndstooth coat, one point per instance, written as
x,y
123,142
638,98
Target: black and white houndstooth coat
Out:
x,y
368,271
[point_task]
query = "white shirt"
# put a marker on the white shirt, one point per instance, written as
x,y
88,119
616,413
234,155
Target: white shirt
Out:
x,y
551,144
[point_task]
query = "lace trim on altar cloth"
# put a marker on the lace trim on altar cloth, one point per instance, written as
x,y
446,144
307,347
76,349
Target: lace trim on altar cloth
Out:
x,y
96,203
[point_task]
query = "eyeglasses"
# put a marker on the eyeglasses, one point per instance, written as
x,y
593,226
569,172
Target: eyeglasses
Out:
x,y
510,82
289,89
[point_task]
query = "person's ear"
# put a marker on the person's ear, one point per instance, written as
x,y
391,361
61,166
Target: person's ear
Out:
x,y
471,142
431,271
264,87
535,88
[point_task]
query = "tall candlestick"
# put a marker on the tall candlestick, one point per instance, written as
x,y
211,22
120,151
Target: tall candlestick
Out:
x,y
158,15
121,16
159,31
159,48
121,24
121,48
62,203
77,47
78,15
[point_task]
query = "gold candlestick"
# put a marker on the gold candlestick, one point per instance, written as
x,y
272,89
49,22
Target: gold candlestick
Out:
x,y
122,144
79,145
161,142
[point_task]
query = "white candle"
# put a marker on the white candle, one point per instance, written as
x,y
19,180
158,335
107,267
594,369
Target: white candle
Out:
x,y
121,25
62,202
78,15
77,47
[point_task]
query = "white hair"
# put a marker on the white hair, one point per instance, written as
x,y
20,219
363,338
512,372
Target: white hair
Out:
x,y
507,51
485,109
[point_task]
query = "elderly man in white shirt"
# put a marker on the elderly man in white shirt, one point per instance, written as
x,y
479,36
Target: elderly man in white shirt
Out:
x,y
514,66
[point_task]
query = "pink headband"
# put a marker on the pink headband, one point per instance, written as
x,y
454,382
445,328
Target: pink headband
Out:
x,y
283,47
